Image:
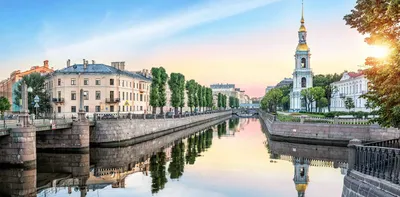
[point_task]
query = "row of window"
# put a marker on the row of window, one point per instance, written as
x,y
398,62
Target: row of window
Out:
x,y
122,83
352,89
358,103
97,108
123,95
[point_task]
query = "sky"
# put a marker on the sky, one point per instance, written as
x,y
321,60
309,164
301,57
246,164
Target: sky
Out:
x,y
250,43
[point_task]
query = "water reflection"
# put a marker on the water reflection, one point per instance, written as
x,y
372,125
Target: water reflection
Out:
x,y
232,158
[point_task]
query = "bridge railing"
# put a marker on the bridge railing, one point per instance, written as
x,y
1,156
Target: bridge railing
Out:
x,y
380,162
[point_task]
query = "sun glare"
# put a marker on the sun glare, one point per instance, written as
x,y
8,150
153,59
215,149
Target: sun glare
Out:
x,y
379,51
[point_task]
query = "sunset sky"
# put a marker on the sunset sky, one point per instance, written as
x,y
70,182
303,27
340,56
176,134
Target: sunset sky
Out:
x,y
247,42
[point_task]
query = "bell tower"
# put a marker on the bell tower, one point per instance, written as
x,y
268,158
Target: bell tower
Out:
x,y
302,75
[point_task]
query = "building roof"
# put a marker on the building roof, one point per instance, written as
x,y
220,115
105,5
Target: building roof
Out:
x,y
222,86
98,69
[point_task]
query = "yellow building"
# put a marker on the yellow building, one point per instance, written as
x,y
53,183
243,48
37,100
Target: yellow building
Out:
x,y
106,89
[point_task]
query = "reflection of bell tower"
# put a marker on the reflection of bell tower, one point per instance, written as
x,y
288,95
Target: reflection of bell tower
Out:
x,y
301,175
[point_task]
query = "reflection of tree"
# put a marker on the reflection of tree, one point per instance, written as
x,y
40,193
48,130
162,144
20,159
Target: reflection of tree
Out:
x,y
158,174
221,129
197,144
177,165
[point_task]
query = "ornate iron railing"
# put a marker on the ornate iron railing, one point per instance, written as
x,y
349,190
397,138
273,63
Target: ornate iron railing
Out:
x,y
394,143
380,162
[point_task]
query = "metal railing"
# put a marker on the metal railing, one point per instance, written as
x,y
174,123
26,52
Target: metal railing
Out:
x,y
394,143
380,162
58,100
167,115
113,100
323,120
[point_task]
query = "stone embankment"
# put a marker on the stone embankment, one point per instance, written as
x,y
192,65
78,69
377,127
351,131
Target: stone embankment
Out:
x,y
127,131
324,134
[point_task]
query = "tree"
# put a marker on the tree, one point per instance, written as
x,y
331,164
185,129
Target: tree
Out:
x,y
154,92
219,105
4,106
325,81
349,103
317,94
379,20
285,102
322,103
204,93
182,91
162,89
271,100
174,86
190,88
307,98
209,98
196,96
200,96
231,101
37,82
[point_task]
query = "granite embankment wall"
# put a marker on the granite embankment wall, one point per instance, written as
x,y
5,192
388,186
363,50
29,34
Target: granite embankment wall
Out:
x,y
325,134
357,184
130,155
113,132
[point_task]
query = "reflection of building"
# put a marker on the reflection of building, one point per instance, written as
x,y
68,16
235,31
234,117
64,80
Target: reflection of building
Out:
x,y
302,75
8,86
301,175
106,89
351,85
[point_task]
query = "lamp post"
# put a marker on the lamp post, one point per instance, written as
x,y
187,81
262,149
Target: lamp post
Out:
x,y
30,90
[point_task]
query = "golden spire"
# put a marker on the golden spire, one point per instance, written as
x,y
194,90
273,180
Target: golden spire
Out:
x,y
302,11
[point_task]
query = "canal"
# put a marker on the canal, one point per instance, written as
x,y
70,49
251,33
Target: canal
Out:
x,y
233,158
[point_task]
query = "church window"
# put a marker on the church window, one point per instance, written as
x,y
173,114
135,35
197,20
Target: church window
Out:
x,y
303,63
303,82
302,172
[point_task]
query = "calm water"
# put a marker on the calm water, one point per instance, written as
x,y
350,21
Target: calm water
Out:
x,y
234,158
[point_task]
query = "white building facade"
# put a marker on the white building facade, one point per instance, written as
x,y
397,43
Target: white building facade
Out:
x,y
302,75
351,85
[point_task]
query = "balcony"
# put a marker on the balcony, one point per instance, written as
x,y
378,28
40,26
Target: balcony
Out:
x,y
113,100
58,100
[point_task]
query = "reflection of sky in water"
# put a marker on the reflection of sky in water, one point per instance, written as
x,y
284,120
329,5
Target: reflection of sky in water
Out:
x,y
233,166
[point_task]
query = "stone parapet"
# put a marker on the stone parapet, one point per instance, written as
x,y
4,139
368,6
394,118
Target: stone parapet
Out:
x,y
108,131
19,148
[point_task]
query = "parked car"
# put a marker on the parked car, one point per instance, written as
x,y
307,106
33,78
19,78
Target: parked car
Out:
x,y
108,116
186,113
170,114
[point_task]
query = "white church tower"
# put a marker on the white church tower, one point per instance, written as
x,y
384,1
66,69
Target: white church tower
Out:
x,y
302,75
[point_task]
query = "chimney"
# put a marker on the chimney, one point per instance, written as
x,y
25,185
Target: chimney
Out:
x,y
46,63
93,62
84,64
122,65
68,63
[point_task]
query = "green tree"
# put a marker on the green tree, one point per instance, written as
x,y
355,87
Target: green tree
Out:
x,y
162,100
219,105
196,96
317,94
379,20
307,98
209,98
322,103
176,166
271,100
200,96
4,106
349,103
285,102
191,89
174,86
154,92
37,82
231,101
325,81
204,93
158,172
182,91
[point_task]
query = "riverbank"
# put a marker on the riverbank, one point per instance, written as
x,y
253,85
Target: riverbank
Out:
x,y
323,133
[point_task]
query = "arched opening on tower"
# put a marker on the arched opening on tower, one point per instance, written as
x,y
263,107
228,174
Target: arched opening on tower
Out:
x,y
303,63
303,82
302,173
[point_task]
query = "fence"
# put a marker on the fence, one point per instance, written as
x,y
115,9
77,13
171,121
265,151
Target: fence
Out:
x,y
320,120
380,162
127,115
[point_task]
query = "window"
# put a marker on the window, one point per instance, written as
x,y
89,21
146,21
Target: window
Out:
x,y
73,95
86,95
141,108
59,82
73,81
98,82
123,96
303,82
59,95
97,108
130,108
111,82
127,96
98,95
123,83
119,108
111,108
141,97
123,108
303,63
73,109
86,108
85,82
130,84
59,109
130,96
